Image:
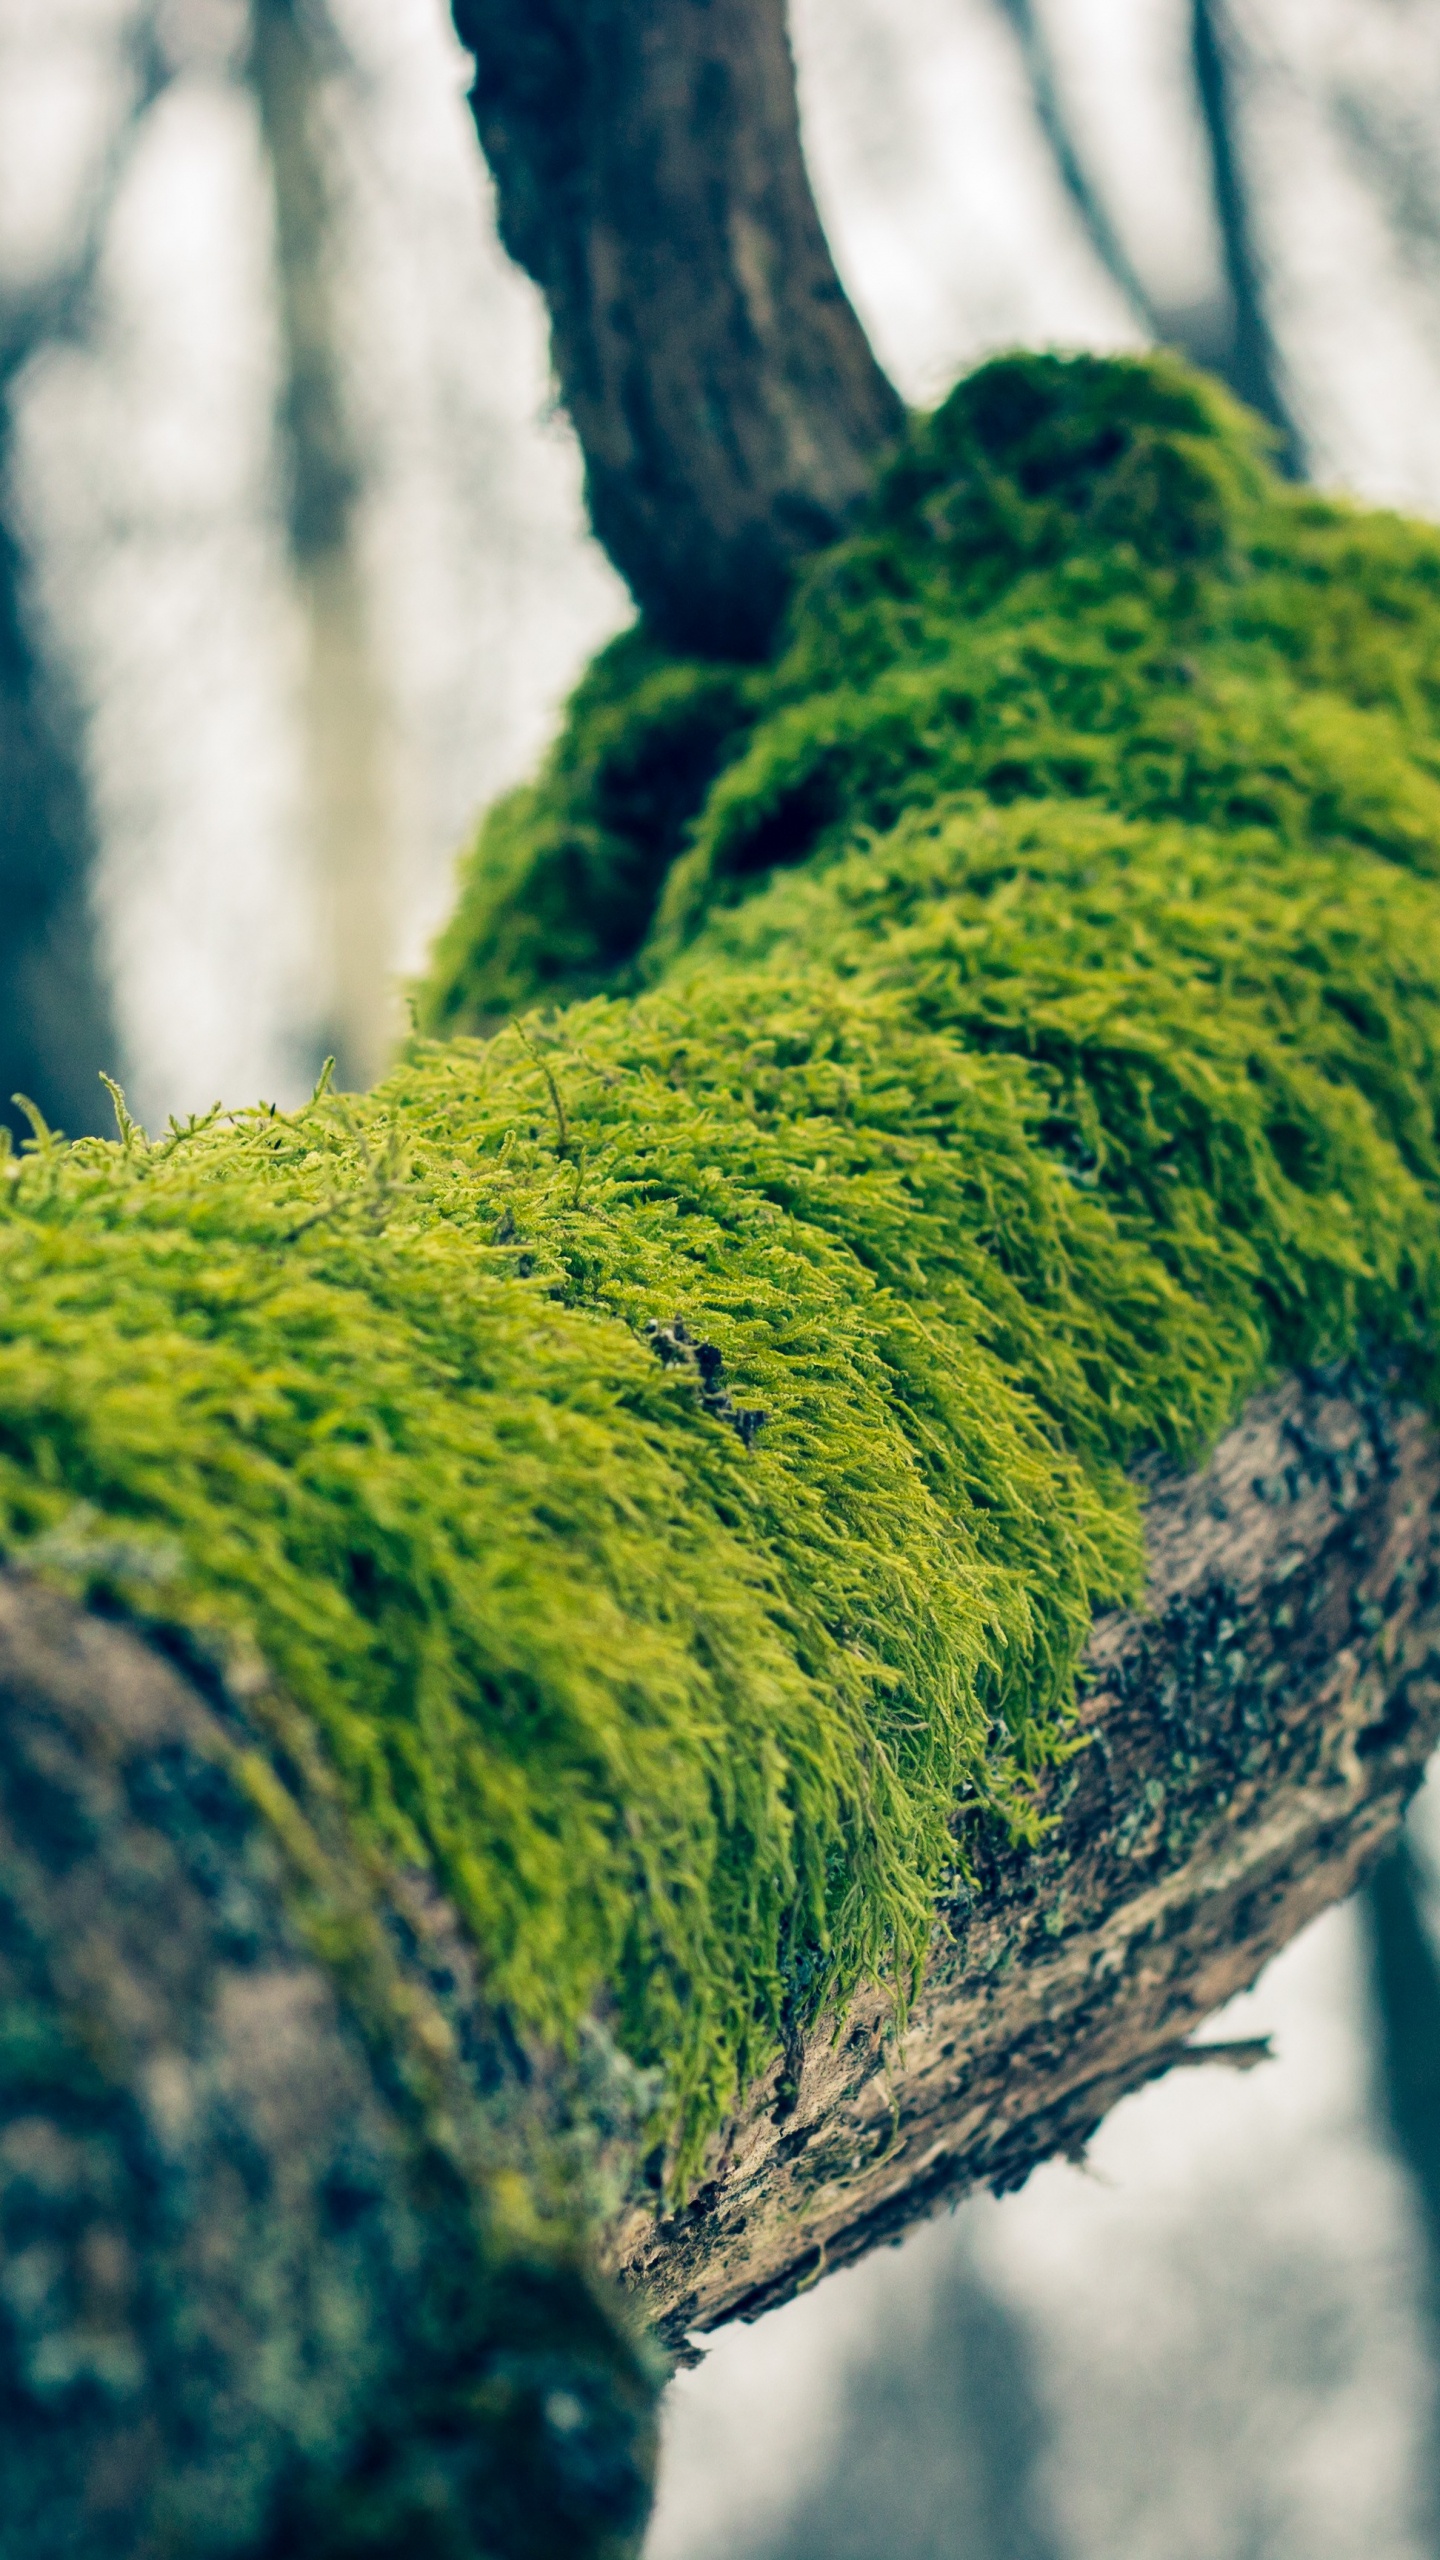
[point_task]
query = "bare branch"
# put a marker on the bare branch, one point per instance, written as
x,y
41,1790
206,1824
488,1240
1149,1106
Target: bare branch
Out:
x,y
1100,231
650,176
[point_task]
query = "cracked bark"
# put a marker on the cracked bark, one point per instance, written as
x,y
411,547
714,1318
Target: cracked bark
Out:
x,y
227,2291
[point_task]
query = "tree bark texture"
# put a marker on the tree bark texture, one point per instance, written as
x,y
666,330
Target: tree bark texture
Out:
x,y
248,2304
240,2309
650,176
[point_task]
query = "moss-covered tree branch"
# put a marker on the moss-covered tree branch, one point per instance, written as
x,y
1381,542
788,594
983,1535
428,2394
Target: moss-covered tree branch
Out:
x,y
652,1497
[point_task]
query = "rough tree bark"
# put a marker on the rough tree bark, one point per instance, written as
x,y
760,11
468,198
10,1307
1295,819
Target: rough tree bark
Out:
x,y
1254,1732
647,159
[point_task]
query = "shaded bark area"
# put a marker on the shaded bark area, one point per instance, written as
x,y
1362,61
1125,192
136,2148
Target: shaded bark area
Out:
x,y
650,176
252,2294
1254,1733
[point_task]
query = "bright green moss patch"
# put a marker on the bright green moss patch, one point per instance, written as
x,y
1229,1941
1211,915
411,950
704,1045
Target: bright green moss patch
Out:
x,y
1080,582
1039,1044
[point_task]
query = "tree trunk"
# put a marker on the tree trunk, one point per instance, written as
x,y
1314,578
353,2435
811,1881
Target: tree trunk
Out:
x,y
1249,359
255,2112
56,1027
56,1031
269,2282
648,162
256,2291
350,797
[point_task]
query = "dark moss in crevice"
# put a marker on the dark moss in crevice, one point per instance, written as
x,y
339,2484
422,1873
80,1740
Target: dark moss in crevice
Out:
x,y
562,890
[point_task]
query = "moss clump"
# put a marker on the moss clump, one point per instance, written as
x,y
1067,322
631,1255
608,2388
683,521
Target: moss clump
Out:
x,y
565,890
1083,1072
1079,582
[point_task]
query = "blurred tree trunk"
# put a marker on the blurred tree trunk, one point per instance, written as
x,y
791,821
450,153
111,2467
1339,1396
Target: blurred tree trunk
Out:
x,y
56,1027
56,1031
1405,1981
295,57
650,177
1248,357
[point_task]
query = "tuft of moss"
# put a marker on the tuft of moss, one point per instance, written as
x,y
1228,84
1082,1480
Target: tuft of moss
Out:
x,y
1037,1044
570,868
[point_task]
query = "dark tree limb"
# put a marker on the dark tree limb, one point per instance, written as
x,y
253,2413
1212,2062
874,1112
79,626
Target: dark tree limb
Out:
x,y
650,176
251,2298
1405,2011
1231,336
1085,196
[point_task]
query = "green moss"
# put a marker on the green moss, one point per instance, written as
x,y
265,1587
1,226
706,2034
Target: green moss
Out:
x,y
570,868
1037,1046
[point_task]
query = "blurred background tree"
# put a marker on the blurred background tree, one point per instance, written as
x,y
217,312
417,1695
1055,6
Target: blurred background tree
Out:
x,y
55,1016
293,573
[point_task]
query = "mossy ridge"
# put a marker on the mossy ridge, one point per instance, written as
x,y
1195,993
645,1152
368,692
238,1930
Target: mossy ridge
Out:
x,y
1079,580
669,1715
1009,1136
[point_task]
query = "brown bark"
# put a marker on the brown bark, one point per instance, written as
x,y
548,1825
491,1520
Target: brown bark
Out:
x,y
1250,360
252,2102
650,176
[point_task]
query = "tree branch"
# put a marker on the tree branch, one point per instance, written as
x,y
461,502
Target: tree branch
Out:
x,y
220,2086
648,161
1085,196
56,1027
254,2293
1255,1732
